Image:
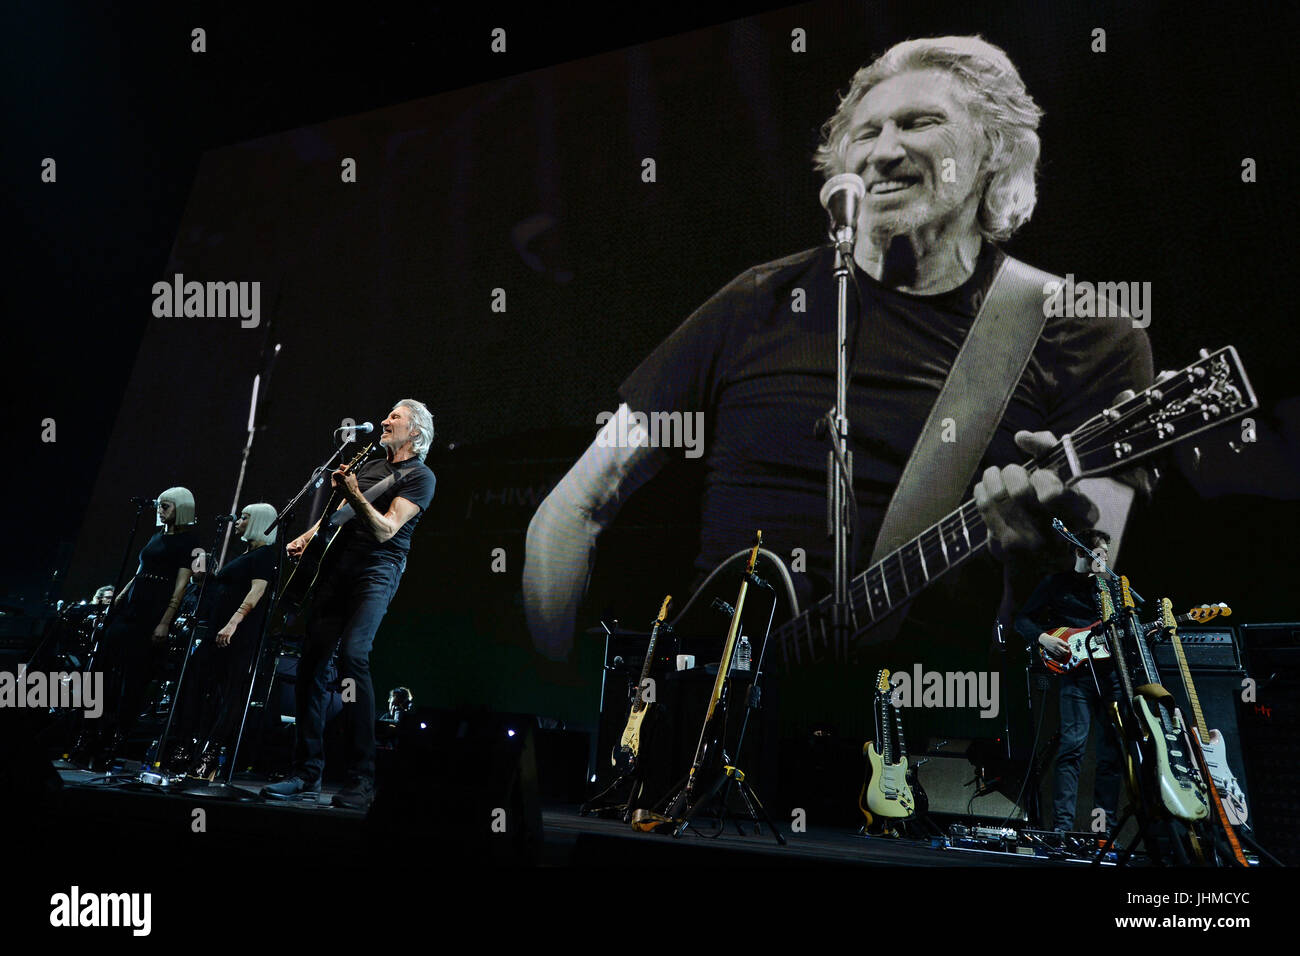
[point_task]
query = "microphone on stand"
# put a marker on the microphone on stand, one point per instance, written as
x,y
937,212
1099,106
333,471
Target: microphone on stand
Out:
x,y
841,197
365,428
151,502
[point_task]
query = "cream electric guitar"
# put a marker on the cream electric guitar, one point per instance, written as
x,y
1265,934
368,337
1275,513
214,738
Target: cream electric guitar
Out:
x,y
886,791
1085,645
1160,727
624,756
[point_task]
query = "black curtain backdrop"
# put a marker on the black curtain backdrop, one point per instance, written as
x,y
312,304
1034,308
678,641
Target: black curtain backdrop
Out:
x,y
382,289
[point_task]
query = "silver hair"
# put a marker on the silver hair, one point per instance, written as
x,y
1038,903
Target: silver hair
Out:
x,y
183,501
422,424
996,96
260,516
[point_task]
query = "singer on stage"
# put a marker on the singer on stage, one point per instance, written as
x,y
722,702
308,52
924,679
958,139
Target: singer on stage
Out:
x,y
140,622
944,136
384,501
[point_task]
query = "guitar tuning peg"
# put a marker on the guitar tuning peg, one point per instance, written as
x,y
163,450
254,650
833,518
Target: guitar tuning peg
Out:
x,y
1205,353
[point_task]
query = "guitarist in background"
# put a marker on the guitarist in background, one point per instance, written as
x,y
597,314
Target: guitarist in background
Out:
x,y
386,498
1067,599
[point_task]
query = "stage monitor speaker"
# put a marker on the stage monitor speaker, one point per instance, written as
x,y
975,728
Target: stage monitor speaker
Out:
x,y
464,783
953,783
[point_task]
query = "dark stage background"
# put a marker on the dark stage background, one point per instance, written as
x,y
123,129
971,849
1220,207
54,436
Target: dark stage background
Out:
x,y
531,183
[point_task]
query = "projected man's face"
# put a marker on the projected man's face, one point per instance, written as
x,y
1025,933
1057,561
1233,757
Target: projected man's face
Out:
x,y
919,152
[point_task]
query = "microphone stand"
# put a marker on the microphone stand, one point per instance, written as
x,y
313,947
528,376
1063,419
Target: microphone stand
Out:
x,y
839,460
156,776
840,196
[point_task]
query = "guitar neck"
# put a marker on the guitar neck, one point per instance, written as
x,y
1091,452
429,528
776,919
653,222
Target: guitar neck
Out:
x,y
649,655
1203,395
902,574
1190,687
1106,610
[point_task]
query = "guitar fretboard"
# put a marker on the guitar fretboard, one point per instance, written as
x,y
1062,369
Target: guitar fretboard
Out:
x,y
1201,396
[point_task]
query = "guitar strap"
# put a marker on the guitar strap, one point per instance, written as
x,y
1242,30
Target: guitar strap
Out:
x,y
975,396
347,512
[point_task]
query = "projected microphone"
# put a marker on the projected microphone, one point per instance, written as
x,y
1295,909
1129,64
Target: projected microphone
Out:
x,y
227,519
841,197
365,428
151,502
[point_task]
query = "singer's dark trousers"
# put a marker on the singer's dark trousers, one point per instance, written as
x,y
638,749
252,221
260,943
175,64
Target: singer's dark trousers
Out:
x,y
1079,702
345,613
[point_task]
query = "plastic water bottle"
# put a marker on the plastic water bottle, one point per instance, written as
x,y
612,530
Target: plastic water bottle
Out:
x,y
743,652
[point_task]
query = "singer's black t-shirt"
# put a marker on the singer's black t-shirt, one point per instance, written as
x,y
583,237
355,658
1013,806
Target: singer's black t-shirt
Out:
x,y
758,362
415,483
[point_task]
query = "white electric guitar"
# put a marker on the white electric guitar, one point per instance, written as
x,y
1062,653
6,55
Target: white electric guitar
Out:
x,y
1213,746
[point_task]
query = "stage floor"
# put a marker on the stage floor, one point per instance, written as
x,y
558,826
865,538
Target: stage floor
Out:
x,y
123,813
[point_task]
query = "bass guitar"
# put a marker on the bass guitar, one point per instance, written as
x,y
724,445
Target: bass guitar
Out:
x,y
624,756
886,791
297,588
1084,645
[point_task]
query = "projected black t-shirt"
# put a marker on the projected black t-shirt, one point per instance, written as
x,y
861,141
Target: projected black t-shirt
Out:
x,y
758,361
414,482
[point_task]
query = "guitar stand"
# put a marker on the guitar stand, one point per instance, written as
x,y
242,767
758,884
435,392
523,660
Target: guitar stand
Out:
x,y
721,789
635,785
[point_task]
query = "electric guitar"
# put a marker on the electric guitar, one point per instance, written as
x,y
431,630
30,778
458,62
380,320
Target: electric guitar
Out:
x,y
297,588
1084,645
1159,726
886,789
1207,393
624,756
1213,746
1198,752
